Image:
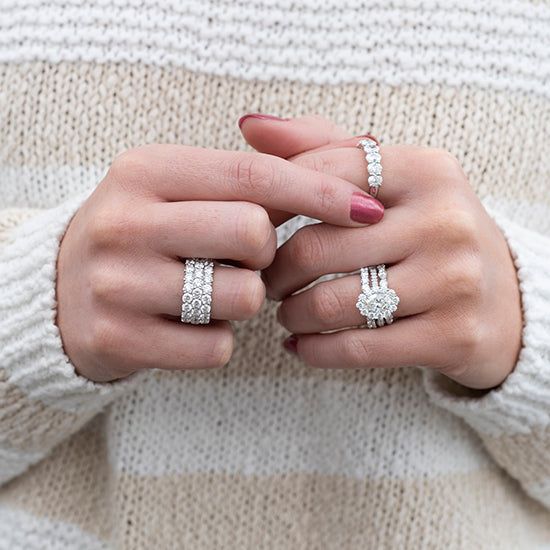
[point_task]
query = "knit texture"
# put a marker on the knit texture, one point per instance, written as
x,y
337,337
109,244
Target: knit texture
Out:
x,y
266,453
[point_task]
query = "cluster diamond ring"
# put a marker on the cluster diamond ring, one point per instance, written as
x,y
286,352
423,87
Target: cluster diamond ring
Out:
x,y
196,300
374,163
376,302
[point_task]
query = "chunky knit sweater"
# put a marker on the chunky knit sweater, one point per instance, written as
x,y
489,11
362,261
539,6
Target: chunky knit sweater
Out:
x,y
267,453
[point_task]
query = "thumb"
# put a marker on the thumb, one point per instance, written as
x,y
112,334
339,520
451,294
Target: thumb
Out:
x,y
287,137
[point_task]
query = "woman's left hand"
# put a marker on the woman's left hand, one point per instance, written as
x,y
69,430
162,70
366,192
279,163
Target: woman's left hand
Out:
x,y
449,263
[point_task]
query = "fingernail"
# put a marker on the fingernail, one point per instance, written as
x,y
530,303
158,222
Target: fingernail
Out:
x,y
260,116
365,209
291,344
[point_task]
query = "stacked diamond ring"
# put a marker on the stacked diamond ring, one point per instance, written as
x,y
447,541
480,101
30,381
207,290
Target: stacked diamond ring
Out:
x,y
376,302
374,165
197,291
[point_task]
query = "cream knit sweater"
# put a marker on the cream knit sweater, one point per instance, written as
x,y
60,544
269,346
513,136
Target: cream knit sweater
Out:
x,y
266,453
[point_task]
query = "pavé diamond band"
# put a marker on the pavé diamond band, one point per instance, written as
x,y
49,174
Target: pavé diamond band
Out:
x,y
196,300
374,163
377,303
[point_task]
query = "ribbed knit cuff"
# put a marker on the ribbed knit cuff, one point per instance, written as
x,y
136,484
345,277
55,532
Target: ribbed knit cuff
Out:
x,y
31,350
522,402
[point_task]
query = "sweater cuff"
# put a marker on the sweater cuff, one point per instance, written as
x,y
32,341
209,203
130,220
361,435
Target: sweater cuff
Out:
x,y
521,403
32,357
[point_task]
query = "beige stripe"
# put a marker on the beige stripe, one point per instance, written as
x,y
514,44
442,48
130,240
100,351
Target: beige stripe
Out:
x,y
70,485
71,115
25,424
298,511
525,456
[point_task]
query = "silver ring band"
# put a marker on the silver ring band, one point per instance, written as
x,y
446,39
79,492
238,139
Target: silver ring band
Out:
x,y
376,302
196,300
374,164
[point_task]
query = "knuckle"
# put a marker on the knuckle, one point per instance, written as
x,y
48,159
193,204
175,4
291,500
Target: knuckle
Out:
x,y
307,249
251,295
326,306
468,338
464,280
110,228
102,338
130,168
318,163
355,351
450,228
253,229
252,175
103,285
221,350
327,196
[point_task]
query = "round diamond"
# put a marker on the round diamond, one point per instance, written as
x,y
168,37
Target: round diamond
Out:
x,y
378,304
375,181
375,168
373,157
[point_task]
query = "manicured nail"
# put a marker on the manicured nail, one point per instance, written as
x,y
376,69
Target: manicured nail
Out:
x,y
260,116
365,209
291,344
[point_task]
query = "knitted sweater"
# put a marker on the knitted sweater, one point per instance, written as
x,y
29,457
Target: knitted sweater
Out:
x,y
267,453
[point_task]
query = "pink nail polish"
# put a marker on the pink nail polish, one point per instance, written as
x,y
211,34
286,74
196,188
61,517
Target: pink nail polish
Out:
x,y
260,116
365,209
291,344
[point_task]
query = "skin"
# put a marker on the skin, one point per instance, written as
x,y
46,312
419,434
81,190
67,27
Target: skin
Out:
x,y
120,273
460,309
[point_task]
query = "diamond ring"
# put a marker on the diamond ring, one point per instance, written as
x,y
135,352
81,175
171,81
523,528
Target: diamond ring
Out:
x,y
374,163
196,299
376,302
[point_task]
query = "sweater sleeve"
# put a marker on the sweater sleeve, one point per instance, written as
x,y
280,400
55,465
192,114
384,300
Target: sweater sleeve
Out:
x,y
42,399
513,420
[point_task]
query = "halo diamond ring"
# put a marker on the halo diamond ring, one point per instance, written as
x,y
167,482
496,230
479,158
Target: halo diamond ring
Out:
x,y
376,302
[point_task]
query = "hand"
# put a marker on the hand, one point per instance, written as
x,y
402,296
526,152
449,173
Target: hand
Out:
x,y
120,274
449,263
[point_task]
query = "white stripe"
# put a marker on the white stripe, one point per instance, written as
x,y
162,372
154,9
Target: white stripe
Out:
x,y
265,425
503,45
13,463
20,530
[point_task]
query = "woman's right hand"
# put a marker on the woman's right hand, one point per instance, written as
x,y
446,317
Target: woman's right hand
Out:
x,y
120,273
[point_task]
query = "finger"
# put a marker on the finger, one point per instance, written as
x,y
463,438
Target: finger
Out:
x,y
165,344
403,177
221,230
320,249
237,294
288,137
179,173
396,345
330,305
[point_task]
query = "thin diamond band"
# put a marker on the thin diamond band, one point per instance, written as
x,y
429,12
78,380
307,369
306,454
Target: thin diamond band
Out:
x,y
196,299
374,164
376,302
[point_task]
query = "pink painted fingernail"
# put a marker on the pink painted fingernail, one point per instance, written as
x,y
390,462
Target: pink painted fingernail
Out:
x,y
291,344
365,209
261,116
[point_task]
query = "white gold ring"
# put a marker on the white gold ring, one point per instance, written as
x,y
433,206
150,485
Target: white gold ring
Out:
x,y
196,300
374,163
376,302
